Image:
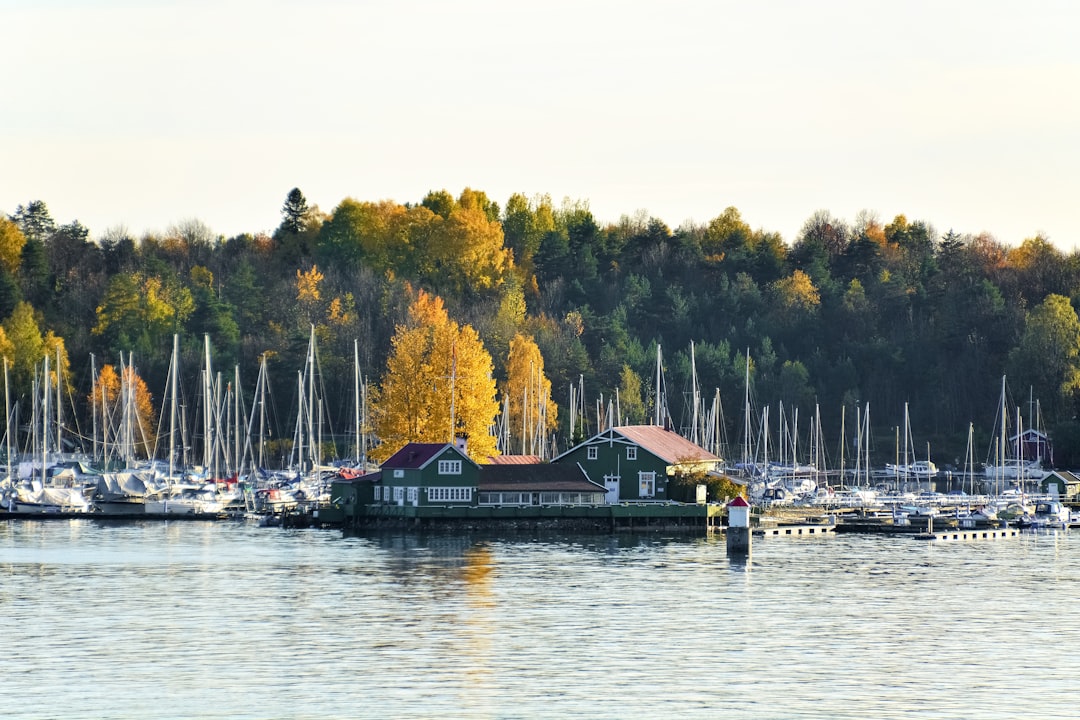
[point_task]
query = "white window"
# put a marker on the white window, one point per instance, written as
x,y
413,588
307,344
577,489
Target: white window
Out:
x,y
631,453
646,484
504,498
592,453
399,473
413,495
449,494
399,494
449,467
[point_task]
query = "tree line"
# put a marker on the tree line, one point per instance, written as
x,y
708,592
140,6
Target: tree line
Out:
x,y
848,314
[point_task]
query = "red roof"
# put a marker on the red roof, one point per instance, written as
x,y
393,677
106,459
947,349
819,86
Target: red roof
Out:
x,y
739,501
665,444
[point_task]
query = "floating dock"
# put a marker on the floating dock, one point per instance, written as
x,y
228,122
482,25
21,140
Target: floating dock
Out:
x,y
793,530
952,534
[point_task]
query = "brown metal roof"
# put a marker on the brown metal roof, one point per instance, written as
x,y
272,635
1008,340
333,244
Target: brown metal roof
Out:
x,y
513,460
665,444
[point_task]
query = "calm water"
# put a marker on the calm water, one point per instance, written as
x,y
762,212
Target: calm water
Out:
x,y
228,620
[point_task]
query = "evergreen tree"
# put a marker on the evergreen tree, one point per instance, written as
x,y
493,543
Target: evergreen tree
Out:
x,y
294,213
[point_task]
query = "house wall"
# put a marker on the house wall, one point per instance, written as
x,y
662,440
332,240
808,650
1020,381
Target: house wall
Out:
x,y
428,477
348,494
612,459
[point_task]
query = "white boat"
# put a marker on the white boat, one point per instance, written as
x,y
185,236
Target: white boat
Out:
x,y
919,470
906,466
37,500
179,499
977,517
1047,514
125,493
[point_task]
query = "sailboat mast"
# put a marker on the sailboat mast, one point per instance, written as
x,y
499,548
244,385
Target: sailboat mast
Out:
x,y
7,417
172,404
236,420
695,400
208,401
93,404
59,408
746,418
843,439
356,392
659,393
311,398
453,391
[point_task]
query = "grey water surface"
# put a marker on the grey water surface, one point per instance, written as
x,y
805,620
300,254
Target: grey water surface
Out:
x,y
230,620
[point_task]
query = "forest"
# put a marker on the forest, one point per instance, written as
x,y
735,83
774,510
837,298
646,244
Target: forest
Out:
x,y
849,315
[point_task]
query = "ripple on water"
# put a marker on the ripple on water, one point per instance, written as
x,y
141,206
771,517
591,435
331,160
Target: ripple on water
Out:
x,y
154,620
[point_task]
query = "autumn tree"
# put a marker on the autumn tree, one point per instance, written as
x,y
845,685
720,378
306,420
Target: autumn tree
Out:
x,y
533,414
7,348
462,252
631,403
139,312
108,397
11,245
22,330
438,384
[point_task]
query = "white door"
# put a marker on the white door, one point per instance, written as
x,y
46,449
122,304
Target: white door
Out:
x,y
611,484
647,484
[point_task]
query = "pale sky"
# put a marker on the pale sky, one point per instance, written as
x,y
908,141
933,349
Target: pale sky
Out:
x,y
962,114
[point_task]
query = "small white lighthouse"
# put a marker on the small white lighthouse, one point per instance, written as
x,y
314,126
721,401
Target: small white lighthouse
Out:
x,y
738,527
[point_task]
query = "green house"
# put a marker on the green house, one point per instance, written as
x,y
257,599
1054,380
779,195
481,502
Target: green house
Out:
x,y
423,474
634,463
1064,484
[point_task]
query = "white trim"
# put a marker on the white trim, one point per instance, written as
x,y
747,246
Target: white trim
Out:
x,y
646,484
449,467
449,494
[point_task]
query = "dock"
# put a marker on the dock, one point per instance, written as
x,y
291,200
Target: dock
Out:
x,y
952,534
793,530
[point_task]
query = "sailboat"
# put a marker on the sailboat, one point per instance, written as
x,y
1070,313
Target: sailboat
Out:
x,y
1014,459
180,495
42,489
909,468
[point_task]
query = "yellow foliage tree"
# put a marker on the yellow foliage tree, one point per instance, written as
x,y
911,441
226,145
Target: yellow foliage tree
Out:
x,y
139,311
21,329
7,348
533,415
11,244
107,398
435,367
797,293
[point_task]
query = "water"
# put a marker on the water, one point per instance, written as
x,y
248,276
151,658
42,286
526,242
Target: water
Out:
x,y
228,620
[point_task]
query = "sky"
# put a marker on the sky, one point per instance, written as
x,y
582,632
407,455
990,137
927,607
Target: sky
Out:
x,y
141,116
